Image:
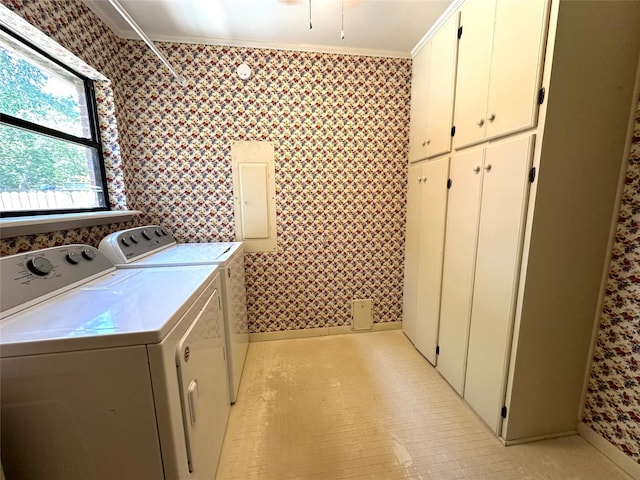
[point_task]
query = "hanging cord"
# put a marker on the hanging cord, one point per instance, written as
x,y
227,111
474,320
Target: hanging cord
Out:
x,y
310,24
342,20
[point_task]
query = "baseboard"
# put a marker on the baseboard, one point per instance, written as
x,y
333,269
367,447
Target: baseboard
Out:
x,y
320,332
520,441
609,450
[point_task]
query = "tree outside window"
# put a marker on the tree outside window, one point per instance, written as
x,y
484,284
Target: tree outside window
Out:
x,y
50,152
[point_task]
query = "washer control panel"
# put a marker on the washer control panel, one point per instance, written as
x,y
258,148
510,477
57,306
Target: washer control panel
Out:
x,y
30,277
127,246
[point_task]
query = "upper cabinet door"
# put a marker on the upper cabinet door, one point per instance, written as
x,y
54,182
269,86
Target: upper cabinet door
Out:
x,y
516,66
474,66
441,87
499,68
419,98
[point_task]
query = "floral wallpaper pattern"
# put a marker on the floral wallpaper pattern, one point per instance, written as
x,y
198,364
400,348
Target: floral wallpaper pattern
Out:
x,y
340,127
612,405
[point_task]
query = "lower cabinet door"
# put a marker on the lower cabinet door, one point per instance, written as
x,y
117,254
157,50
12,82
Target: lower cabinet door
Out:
x,y
412,252
500,233
459,264
432,223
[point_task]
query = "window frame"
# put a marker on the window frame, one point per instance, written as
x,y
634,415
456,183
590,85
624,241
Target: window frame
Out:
x,y
94,142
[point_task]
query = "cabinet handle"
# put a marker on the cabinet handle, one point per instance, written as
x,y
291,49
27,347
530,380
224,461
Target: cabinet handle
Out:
x,y
487,167
428,141
477,169
492,117
480,122
424,179
423,143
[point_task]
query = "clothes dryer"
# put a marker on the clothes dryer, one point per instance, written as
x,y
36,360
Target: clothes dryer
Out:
x,y
110,373
154,246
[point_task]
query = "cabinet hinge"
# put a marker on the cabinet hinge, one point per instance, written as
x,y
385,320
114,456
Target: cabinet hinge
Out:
x,y
503,412
460,32
438,350
449,183
453,131
532,174
541,93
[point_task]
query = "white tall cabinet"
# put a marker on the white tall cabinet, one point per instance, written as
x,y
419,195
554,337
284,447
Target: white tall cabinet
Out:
x,y
499,68
432,88
532,204
426,208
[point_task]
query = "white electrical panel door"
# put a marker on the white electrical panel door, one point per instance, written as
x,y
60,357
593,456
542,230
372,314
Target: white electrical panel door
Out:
x,y
459,263
253,191
504,201
432,223
254,195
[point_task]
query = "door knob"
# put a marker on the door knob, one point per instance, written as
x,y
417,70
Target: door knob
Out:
x,y
492,117
487,167
477,169
480,122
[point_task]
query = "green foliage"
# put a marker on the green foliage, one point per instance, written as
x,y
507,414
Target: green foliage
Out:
x,y
31,161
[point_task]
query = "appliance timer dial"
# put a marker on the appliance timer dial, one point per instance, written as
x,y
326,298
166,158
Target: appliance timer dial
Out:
x,y
88,254
40,266
73,258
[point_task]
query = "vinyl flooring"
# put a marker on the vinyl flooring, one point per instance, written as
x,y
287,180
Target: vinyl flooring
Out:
x,y
369,406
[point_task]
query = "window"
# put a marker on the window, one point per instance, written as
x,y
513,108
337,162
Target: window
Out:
x,y
50,151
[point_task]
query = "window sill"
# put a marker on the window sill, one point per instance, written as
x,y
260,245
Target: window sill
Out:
x,y
15,226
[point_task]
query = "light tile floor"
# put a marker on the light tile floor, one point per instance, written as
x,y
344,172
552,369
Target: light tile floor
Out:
x,y
369,406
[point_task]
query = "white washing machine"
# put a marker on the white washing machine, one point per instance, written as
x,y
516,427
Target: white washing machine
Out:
x,y
109,374
155,246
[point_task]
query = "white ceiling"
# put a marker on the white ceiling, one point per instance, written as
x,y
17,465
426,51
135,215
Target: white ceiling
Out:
x,y
371,27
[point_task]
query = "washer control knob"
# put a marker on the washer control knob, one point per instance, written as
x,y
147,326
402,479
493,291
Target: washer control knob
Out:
x,y
145,235
133,238
164,232
88,254
158,232
40,266
73,258
125,242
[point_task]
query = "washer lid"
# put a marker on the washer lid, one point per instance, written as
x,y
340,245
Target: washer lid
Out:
x,y
122,308
190,254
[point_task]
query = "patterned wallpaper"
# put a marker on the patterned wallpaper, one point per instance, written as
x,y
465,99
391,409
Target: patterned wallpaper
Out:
x,y
340,128
612,406
75,28
339,124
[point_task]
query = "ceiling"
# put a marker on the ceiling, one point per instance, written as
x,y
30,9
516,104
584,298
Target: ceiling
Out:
x,y
389,28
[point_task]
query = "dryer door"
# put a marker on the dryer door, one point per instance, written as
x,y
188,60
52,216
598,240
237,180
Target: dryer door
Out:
x,y
204,393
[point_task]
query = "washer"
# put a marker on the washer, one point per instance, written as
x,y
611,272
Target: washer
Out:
x,y
153,246
110,373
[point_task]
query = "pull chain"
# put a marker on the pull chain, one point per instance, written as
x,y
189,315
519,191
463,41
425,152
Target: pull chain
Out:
x,y
342,20
310,24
